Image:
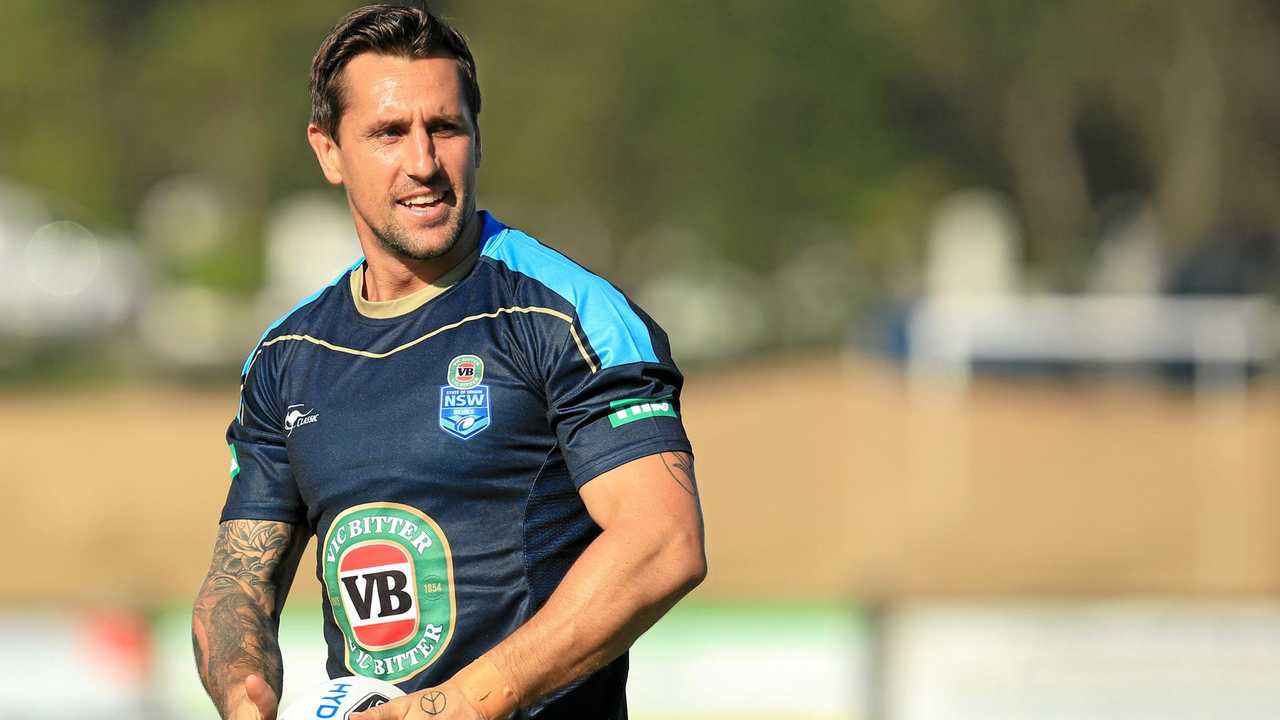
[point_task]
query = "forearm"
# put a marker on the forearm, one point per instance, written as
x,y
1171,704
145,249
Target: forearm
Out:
x,y
621,585
234,621
233,638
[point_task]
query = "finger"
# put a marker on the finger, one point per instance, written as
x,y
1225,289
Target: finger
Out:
x,y
393,710
262,696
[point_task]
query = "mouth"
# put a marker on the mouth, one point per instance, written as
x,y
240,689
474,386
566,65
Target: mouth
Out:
x,y
426,204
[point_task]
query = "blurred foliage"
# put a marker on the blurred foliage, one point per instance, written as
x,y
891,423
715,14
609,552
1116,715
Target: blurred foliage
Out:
x,y
734,123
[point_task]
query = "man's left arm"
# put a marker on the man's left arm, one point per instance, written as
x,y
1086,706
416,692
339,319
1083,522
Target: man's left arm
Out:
x,y
648,555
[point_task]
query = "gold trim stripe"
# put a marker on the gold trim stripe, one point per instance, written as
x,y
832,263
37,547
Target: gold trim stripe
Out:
x,y
482,316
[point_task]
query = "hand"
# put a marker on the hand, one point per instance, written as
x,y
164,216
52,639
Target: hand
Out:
x,y
442,702
258,702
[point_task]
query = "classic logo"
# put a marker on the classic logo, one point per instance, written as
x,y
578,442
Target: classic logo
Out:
x,y
388,573
465,371
464,402
297,416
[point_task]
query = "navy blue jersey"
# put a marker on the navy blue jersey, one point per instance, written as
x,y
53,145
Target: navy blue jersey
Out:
x,y
437,455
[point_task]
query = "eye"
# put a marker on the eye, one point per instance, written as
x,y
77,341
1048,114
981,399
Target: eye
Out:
x,y
444,128
385,132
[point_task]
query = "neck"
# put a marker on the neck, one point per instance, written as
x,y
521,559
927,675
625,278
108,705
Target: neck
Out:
x,y
388,276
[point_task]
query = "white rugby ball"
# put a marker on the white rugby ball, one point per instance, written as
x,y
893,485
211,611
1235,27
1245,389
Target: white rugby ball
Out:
x,y
337,698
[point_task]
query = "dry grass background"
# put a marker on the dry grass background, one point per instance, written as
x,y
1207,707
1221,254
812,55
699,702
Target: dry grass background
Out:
x,y
821,478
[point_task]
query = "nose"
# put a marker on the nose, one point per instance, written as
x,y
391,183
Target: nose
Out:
x,y
420,158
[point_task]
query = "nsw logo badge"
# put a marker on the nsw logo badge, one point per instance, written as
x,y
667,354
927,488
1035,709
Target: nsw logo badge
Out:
x,y
464,402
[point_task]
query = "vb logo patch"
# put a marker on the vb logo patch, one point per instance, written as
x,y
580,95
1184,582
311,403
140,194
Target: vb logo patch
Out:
x,y
388,572
464,402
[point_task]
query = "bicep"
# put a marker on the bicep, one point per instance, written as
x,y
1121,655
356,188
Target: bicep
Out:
x,y
259,557
659,490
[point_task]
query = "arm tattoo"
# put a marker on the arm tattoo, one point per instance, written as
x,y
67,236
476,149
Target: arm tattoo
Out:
x,y
680,465
237,611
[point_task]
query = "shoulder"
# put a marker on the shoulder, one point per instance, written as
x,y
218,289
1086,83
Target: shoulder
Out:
x,y
521,253
296,318
617,330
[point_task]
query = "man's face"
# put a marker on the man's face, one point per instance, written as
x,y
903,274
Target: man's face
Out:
x,y
407,152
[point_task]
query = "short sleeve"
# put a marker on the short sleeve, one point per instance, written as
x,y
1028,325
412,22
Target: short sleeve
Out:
x,y
262,487
605,417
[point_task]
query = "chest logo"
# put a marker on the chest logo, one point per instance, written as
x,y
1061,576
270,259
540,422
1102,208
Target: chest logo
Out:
x,y
388,572
464,402
466,371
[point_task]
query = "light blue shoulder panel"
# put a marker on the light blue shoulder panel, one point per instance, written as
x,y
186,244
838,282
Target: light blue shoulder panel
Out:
x,y
615,331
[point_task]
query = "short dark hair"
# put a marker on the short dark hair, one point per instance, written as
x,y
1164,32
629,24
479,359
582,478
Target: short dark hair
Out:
x,y
385,30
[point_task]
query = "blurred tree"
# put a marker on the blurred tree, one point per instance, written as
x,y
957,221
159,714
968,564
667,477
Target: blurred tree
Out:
x,y
1068,105
58,126
734,129
730,121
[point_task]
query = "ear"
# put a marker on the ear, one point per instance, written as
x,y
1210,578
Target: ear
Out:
x,y
327,153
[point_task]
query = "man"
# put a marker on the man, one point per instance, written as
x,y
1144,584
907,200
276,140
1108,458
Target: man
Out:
x,y
483,436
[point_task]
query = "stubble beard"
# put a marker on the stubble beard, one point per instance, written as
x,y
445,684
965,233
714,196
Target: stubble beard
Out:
x,y
395,240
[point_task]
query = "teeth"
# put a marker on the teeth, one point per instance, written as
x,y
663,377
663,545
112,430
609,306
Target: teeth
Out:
x,y
421,200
